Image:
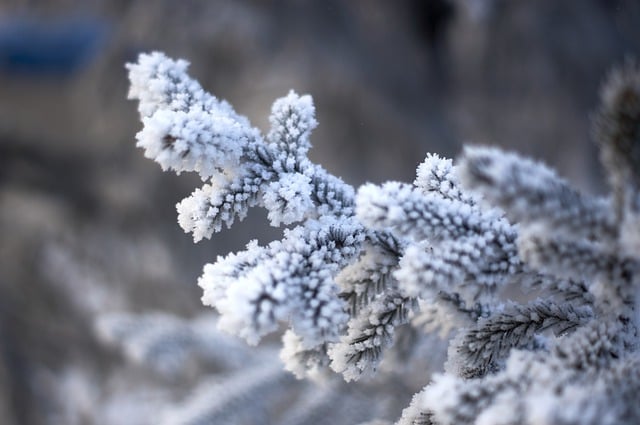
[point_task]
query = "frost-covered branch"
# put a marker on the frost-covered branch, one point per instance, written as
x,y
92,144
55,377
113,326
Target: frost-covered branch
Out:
x,y
483,347
224,400
530,192
167,344
187,129
456,253
438,175
257,288
370,332
367,277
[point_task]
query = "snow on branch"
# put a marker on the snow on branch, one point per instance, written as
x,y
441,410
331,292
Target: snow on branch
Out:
x,y
447,312
409,212
436,174
166,343
530,192
292,120
257,288
482,348
224,400
301,360
455,267
370,275
449,254
455,242
185,128
370,332
569,258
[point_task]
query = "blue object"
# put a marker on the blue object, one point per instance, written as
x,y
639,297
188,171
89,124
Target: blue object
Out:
x,y
57,47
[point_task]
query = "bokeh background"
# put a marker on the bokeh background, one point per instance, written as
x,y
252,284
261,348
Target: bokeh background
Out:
x,y
88,226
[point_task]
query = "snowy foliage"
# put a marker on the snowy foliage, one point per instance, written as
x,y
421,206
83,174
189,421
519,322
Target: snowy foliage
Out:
x,y
531,284
168,344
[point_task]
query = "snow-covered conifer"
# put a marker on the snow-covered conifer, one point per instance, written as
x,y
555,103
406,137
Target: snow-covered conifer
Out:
x,y
531,284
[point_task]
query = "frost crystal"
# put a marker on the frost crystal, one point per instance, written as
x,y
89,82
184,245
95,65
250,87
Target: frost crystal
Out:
x,y
185,128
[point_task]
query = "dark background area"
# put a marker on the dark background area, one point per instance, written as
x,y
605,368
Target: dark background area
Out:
x,y
88,226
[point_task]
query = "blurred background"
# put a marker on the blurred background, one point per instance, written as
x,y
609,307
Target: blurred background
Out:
x,y
88,226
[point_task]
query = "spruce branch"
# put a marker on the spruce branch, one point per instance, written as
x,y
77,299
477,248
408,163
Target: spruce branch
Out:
x,y
484,346
453,401
470,268
438,175
570,290
414,414
446,312
596,347
411,213
369,276
289,278
611,276
370,332
223,400
168,344
185,128
529,192
355,265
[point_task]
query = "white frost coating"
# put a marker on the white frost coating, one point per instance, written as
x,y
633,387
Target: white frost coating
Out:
x,y
370,332
246,312
463,248
158,82
414,412
221,202
430,242
288,199
470,266
548,387
435,316
367,277
292,278
529,191
436,174
153,77
185,128
609,276
409,212
503,411
322,316
292,346
375,205
439,396
200,141
301,360
292,120
217,277
204,212
370,267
